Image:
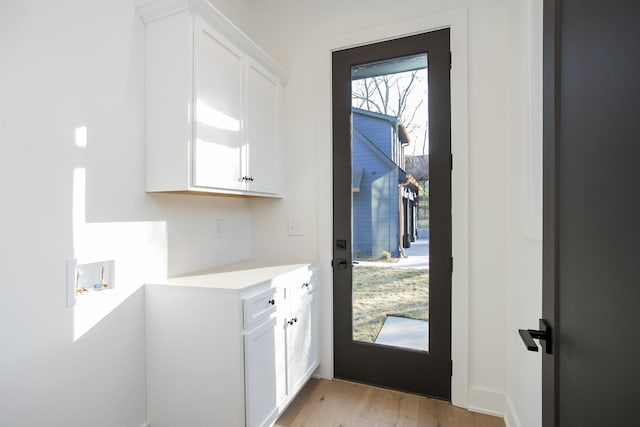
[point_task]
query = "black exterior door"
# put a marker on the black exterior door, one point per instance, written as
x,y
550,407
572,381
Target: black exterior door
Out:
x,y
422,371
591,247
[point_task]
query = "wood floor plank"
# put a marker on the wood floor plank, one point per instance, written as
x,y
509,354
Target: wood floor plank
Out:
x,y
428,413
409,407
336,403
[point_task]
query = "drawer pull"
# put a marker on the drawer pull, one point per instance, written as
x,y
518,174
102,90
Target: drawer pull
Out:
x,y
292,321
272,302
305,285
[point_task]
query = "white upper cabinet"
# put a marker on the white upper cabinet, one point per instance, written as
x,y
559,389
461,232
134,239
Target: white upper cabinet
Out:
x,y
262,129
218,75
212,104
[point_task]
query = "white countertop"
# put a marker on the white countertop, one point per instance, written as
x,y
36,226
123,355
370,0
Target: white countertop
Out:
x,y
232,277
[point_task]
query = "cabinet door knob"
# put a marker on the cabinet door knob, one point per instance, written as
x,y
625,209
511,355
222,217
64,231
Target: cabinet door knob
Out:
x,y
305,285
272,302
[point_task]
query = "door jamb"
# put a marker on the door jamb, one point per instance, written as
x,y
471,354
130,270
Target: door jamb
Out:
x,y
551,62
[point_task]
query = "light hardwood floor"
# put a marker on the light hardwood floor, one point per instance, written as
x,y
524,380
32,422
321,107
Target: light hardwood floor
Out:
x,y
337,403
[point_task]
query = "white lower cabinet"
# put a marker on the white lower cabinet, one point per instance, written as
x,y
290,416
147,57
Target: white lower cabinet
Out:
x,y
229,349
261,372
301,345
300,330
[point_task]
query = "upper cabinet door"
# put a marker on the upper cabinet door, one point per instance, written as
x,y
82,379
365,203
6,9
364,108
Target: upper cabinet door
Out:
x,y
218,96
262,130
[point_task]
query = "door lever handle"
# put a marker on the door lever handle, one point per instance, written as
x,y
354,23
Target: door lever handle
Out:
x,y
339,263
543,335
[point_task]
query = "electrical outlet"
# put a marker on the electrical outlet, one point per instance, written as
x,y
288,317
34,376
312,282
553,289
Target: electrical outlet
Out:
x,y
295,228
219,228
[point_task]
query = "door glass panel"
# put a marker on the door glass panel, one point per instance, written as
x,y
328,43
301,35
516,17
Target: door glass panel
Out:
x,y
390,202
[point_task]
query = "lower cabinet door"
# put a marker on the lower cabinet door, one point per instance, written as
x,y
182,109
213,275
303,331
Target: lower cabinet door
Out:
x,y
260,374
301,345
282,392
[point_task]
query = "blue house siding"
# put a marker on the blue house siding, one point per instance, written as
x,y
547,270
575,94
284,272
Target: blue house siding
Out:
x,y
375,205
379,130
384,215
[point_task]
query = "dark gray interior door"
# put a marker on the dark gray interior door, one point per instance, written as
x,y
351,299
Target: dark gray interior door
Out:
x,y
591,249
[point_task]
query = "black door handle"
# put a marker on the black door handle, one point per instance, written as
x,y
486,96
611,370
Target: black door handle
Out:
x,y
339,263
543,335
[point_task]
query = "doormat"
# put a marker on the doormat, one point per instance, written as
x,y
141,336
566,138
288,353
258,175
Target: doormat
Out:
x,y
404,332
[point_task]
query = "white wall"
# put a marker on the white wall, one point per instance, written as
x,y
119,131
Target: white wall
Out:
x,y
300,35
524,406
64,65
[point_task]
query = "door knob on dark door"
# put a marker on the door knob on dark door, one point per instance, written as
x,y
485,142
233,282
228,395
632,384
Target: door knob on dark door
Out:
x,y
543,335
339,263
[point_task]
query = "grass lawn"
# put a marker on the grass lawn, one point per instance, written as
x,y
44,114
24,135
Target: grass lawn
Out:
x,y
382,291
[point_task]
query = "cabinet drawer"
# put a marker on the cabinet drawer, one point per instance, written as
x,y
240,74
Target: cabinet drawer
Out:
x,y
301,284
259,306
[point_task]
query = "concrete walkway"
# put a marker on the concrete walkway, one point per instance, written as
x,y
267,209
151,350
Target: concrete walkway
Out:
x,y
417,257
404,332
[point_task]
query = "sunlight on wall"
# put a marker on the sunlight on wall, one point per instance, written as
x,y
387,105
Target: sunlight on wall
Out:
x,y
138,248
140,253
81,137
79,204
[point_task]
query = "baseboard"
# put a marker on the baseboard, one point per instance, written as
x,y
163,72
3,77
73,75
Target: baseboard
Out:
x,y
511,418
486,401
